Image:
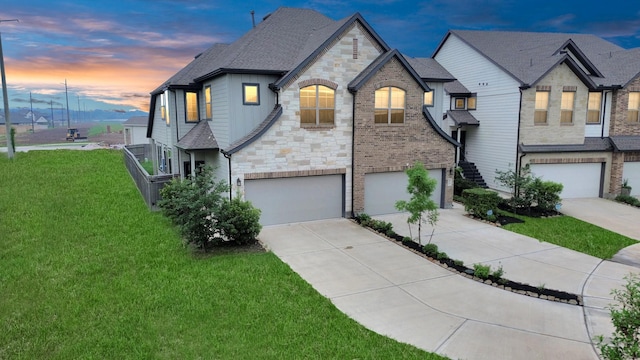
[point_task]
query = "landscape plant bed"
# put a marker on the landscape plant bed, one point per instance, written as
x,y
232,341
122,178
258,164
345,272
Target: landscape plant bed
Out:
x,y
500,283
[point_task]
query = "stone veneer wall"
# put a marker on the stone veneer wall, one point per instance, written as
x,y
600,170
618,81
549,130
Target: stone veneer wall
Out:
x,y
553,132
383,147
287,149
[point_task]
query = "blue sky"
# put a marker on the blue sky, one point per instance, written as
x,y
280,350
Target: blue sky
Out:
x,y
113,53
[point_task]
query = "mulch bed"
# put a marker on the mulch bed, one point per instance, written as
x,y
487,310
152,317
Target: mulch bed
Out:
x,y
501,283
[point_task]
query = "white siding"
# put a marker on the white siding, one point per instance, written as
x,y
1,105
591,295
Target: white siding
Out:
x,y
492,145
437,110
220,102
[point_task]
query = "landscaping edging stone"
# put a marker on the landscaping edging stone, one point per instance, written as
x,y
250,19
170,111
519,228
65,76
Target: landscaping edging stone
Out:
x,y
503,284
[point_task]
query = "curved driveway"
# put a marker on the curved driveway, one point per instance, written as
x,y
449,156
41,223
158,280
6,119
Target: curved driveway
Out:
x,y
397,293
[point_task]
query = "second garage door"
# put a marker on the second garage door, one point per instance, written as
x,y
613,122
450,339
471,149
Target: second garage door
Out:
x,y
579,180
631,172
287,200
382,190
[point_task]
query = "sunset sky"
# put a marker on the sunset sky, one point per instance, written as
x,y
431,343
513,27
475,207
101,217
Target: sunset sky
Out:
x,y
113,53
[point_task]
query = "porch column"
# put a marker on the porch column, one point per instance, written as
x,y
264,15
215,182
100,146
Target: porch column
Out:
x,y
458,137
192,159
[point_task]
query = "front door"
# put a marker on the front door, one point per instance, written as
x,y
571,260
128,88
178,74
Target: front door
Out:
x,y
461,136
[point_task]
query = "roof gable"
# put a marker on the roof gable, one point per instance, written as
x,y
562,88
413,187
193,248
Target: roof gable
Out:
x,y
376,65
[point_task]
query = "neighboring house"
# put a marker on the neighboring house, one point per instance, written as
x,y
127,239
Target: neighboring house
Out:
x,y
307,117
135,130
545,99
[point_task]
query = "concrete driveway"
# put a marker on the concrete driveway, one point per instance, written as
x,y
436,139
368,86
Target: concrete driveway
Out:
x,y
620,218
399,294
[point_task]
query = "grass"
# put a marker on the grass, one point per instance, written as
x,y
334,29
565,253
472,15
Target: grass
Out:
x,y
88,272
573,234
148,166
102,128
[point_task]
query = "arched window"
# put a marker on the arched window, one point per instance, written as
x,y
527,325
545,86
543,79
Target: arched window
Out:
x,y
389,106
317,105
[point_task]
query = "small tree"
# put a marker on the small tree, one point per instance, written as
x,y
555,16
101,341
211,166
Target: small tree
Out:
x,y
625,341
519,184
420,187
191,205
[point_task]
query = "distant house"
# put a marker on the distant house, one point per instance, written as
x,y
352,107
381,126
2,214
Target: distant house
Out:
x,y
135,130
566,104
307,117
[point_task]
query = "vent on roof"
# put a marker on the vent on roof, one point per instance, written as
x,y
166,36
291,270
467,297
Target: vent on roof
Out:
x,y
266,17
197,56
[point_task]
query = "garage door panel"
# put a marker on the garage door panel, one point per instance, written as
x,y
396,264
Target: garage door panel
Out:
x,y
631,172
579,180
382,190
287,200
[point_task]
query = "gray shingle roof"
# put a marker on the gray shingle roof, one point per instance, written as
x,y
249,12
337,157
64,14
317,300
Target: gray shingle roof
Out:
x,y
429,69
456,87
199,137
591,144
256,133
626,143
462,117
527,56
137,120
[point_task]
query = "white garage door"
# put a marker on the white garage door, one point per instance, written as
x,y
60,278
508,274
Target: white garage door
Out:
x,y
579,180
382,190
631,172
287,200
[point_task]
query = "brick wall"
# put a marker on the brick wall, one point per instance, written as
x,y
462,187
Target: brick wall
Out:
x,y
619,124
383,147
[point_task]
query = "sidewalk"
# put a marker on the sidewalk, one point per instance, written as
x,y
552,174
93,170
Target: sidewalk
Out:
x,y
400,294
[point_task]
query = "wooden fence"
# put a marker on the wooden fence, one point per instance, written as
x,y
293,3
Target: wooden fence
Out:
x,y
149,185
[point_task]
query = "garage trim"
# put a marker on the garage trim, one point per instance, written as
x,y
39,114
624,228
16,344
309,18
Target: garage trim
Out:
x,y
298,173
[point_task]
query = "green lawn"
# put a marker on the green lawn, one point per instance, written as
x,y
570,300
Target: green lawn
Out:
x,y
102,128
573,234
87,272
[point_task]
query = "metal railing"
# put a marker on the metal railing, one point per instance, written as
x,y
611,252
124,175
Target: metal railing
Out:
x,y
149,185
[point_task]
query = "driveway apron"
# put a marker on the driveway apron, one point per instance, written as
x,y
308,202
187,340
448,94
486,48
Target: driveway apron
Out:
x,y
400,294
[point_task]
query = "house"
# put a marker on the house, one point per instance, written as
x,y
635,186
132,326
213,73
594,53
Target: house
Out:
x,y
562,103
135,130
306,117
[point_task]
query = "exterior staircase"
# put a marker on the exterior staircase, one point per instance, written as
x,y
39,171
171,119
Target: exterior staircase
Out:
x,y
470,172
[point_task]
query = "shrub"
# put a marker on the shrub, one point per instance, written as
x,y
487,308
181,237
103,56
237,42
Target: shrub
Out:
x,y
546,194
191,205
498,273
441,255
458,262
519,184
238,221
380,226
363,219
390,233
482,203
430,249
628,199
406,239
625,316
460,183
481,271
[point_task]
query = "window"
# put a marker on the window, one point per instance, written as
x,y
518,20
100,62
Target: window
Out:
x,y
191,106
566,107
428,98
593,108
317,104
634,107
251,94
389,105
207,102
471,103
459,104
164,109
542,105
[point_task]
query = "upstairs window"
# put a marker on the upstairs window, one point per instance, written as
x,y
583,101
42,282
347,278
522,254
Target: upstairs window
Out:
x,y
459,104
191,106
317,105
542,107
389,105
634,107
251,94
207,102
566,107
593,107
428,98
164,110
471,103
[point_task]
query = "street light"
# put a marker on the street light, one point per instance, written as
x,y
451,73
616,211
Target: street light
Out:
x,y
7,120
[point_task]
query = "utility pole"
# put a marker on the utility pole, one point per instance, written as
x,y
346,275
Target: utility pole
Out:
x,y
7,120
66,94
